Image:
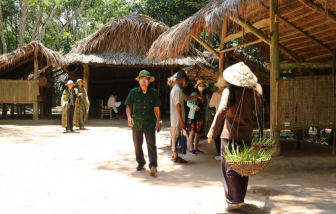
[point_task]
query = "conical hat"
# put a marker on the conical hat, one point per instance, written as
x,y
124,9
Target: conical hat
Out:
x,y
240,75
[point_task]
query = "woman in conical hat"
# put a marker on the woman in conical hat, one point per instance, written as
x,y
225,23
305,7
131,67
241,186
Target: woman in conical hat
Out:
x,y
214,102
238,102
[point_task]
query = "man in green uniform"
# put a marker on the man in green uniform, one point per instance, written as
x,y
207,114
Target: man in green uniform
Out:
x,y
142,112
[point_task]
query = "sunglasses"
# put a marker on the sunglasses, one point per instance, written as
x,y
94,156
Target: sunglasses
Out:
x,y
145,81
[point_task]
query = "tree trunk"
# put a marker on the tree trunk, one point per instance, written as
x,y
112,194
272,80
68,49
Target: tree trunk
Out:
x,y
37,22
42,35
23,21
68,23
2,32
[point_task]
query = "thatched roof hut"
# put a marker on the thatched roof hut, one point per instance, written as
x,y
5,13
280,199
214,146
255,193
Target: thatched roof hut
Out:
x,y
125,42
110,59
20,63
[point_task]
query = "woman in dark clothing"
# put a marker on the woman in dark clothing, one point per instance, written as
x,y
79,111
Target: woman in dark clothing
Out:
x,y
238,103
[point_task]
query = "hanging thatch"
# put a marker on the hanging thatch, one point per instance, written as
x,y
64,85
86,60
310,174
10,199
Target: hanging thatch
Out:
x,y
197,71
21,61
307,28
126,41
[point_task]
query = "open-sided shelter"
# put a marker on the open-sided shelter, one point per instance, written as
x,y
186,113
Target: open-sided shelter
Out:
x,y
300,33
110,59
33,60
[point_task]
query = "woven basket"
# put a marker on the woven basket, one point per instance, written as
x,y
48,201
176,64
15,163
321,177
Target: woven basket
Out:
x,y
248,168
262,146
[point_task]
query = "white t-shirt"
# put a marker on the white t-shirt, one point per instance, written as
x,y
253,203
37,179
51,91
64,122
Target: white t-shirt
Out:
x,y
176,96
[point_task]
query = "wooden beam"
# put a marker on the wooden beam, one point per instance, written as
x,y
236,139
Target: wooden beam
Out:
x,y
206,46
240,46
318,57
45,67
35,105
275,75
258,25
304,35
221,64
319,9
306,65
263,36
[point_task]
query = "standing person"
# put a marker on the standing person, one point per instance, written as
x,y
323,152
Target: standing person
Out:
x,y
177,112
198,114
82,106
238,103
142,109
68,106
214,102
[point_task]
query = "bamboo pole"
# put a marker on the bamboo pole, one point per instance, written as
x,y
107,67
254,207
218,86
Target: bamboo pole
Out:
x,y
206,45
240,46
308,65
222,46
275,73
35,105
87,81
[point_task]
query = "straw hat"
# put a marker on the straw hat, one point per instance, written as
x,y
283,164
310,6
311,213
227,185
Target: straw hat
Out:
x,y
80,80
240,75
221,82
201,81
69,82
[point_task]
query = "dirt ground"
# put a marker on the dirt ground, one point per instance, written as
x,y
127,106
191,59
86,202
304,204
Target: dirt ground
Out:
x,y
43,170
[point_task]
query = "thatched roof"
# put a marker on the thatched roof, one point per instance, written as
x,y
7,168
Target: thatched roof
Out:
x,y
197,71
20,62
307,27
126,41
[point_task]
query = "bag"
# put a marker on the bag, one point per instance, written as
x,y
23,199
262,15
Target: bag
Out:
x,y
181,144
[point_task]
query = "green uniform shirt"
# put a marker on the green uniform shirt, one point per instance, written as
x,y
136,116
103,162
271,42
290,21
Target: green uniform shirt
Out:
x,y
143,107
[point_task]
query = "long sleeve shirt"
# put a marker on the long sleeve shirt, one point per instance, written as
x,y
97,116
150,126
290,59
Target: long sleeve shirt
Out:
x,y
238,124
111,103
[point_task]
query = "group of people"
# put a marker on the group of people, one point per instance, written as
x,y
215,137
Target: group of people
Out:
x,y
75,106
238,98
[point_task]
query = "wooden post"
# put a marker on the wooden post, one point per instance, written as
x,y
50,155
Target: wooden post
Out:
x,y
35,105
222,46
172,71
159,83
12,110
42,103
4,110
334,141
275,73
164,93
87,81
298,133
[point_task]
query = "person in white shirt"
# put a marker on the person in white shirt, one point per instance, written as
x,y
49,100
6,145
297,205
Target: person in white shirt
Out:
x,y
111,103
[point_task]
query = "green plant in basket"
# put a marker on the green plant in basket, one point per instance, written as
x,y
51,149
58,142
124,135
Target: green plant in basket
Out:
x,y
263,141
240,154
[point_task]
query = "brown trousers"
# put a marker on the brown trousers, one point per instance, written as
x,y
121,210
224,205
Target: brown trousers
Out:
x,y
235,185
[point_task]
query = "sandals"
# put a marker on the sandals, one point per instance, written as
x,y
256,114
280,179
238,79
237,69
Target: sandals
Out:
x,y
234,206
179,160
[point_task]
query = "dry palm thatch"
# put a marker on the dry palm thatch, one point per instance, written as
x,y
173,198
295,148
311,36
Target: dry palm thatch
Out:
x,y
27,51
209,19
197,71
125,41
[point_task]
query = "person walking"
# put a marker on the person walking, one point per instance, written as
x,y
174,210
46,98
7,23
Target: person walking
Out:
x,y
82,106
221,84
198,114
68,101
238,103
177,111
142,108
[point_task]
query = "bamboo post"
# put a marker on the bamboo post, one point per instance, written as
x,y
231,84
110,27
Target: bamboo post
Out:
x,y
222,46
87,81
159,83
4,110
275,73
35,105
164,93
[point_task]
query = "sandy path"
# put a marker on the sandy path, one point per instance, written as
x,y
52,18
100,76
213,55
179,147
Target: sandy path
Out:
x,y
45,171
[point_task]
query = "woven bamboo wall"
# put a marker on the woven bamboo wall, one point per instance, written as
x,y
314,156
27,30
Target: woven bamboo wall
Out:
x,y
18,91
306,102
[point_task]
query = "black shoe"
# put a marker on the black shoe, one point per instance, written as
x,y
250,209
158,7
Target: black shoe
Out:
x,y
140,167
